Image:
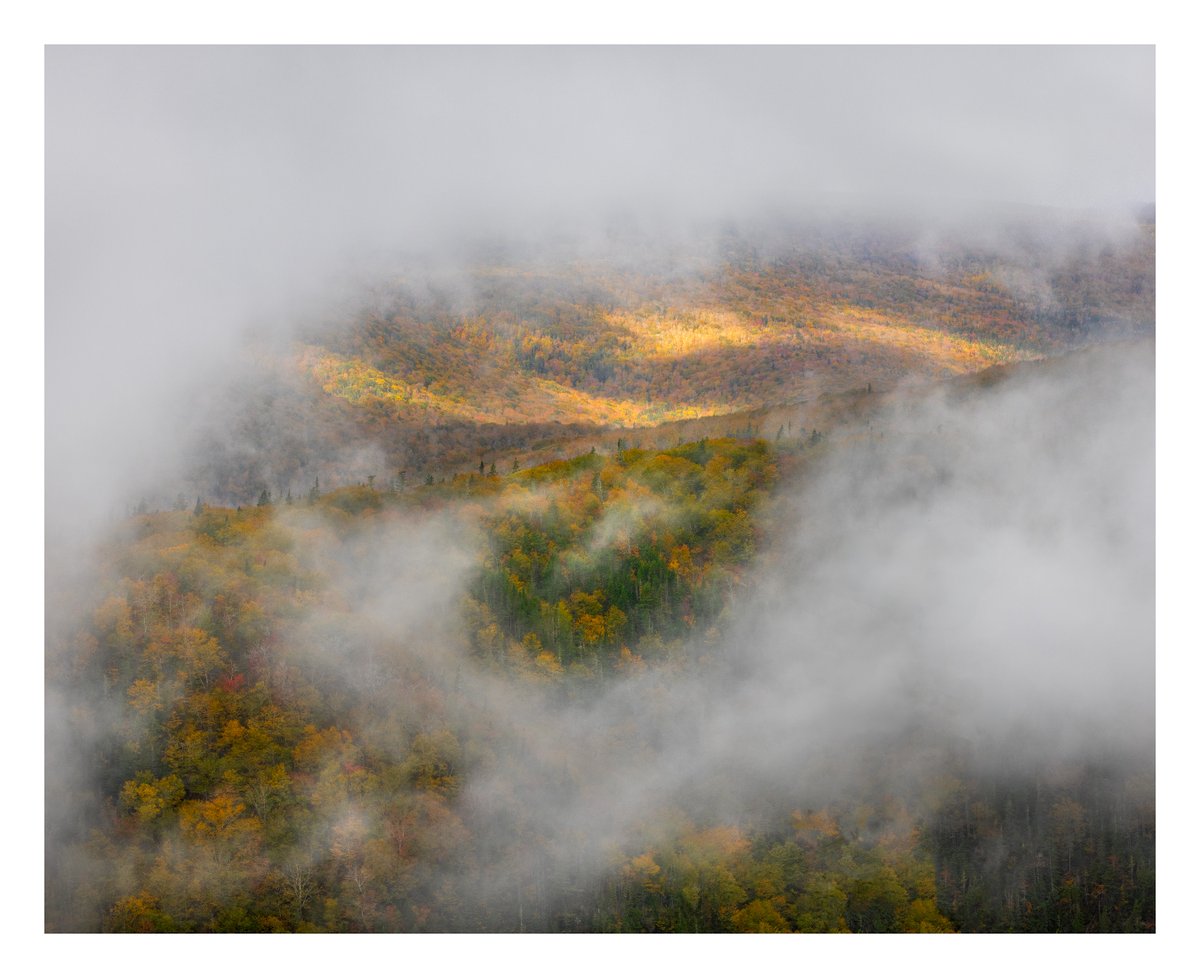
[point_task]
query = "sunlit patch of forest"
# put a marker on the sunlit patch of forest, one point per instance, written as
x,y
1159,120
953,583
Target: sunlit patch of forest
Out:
x,y
643,366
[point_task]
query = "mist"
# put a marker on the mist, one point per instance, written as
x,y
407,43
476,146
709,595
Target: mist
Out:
x,y
963,583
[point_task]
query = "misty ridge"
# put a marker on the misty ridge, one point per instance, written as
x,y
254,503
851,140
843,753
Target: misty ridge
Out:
x,y
607,545
1080,278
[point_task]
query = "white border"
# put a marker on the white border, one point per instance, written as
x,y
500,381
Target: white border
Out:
x,y
622,21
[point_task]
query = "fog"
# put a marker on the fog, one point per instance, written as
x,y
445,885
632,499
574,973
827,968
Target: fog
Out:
x,y
972,573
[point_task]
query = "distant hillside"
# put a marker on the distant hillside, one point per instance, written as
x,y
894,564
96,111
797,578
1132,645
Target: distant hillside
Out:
x,y
526,354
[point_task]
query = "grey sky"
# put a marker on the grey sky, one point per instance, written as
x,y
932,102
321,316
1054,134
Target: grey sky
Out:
x,y
192,190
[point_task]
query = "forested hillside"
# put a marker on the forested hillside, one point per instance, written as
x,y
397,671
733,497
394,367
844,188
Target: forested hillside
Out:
x,y
369,708
526,357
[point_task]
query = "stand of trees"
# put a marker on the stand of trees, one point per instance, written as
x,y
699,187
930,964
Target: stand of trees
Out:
x,y
267,762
